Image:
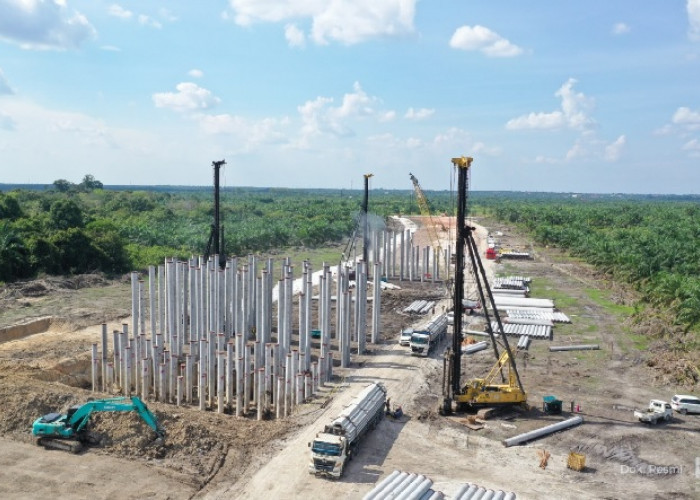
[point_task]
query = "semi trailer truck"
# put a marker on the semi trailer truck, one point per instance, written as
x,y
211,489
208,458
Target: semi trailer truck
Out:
x,y
339,440
428,334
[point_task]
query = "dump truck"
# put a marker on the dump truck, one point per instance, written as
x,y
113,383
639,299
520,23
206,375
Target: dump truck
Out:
x,y
428,334
339,440
658,410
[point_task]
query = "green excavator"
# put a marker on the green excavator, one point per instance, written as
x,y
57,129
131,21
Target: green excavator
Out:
x,y
69,431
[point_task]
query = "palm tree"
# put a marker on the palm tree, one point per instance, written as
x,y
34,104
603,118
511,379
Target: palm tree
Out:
x,y
12,253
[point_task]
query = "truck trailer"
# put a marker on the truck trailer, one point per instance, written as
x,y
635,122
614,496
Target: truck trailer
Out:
x,y
428,334
338,442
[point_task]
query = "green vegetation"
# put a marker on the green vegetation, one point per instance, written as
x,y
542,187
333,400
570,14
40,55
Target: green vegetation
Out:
x,y
84,228
652,244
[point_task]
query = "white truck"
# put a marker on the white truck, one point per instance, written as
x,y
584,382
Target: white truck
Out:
x,y
657,410
428,334
338,441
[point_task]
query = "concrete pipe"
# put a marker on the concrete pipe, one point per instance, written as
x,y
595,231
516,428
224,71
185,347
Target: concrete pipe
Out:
x,y
582,347
544,431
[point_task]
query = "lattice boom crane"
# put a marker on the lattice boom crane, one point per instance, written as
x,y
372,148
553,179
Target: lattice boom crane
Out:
x,y
425,211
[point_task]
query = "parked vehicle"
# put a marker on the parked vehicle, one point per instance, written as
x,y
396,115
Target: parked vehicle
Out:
x,y
428,334
685,404
657,410
338,441
405,336
69,431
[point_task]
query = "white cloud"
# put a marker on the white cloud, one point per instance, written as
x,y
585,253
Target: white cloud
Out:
x,y
458,139
620,29
189,97
547,160
693,148
614,150
693,7
110,48
686,116
483,39
319,117
533,120
357,103
295,37
666,129
47,24
387,116
247,133
418,114
573,114
4,85
196,73
345,21
116,10
578,150
145,20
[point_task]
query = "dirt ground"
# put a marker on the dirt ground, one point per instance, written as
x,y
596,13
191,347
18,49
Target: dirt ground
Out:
x,y
208,455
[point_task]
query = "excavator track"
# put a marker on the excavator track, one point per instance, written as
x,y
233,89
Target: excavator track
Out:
x,y
60,444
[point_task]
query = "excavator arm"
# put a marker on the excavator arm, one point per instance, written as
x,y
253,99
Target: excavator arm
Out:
x,y
80,418
54,428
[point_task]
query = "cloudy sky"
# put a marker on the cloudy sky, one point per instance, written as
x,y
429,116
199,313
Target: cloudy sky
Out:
x,y
598,96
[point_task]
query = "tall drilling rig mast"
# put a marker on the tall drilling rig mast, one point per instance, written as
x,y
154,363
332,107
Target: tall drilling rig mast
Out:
x,y
215,245
365,221
476,392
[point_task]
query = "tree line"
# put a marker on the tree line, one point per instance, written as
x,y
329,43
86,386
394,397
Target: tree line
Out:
x,y
654,245
79,228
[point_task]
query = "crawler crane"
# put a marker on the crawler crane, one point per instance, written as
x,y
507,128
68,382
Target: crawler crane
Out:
x,y
425,212
478,391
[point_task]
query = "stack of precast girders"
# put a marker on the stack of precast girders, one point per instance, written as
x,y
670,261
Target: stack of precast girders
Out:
x,y
542,332
404,485
512,254
512,282
470,491
420,306
537,314
514,286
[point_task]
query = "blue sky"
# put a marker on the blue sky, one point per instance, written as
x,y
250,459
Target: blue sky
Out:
x,y
599,96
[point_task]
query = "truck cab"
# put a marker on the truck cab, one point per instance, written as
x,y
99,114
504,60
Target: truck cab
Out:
x,y
420,343
328,455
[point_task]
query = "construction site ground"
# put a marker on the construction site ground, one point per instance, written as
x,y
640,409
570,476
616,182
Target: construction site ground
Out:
x,y
45,367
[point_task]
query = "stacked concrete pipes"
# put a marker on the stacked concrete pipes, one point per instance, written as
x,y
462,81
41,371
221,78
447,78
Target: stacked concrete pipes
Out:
x,y
209,341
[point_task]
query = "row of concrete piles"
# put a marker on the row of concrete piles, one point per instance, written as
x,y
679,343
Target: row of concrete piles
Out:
x,y
408,262
210,340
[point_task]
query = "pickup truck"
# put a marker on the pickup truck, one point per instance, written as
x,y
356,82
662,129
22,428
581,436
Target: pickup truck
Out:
x,y
658,410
